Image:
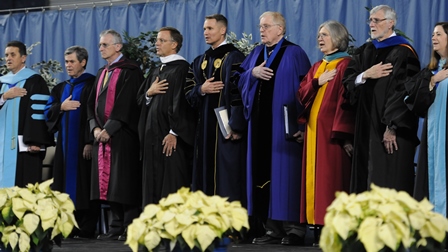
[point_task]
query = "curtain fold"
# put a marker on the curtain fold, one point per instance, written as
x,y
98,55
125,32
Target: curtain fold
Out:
x,y
59,29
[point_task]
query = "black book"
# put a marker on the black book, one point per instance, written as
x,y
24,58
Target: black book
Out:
x,y
223,120
290,117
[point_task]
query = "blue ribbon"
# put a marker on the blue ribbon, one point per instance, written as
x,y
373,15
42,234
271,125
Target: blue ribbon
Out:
x,y
272,57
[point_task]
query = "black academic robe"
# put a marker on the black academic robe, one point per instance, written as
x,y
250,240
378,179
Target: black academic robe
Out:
x,y
29,165
163,175
379,103
219,165
71,171
118,101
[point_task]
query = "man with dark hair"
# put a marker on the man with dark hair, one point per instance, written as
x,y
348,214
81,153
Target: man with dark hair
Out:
x,y
113,118
23,132
219,161
166,127
385,129
66,113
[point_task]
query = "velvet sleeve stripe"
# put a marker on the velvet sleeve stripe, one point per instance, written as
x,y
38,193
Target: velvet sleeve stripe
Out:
x,y
40,97
39,117
38,106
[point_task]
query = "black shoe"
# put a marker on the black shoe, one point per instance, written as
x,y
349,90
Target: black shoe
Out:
x,y
266,239
123,236
293,240
108,236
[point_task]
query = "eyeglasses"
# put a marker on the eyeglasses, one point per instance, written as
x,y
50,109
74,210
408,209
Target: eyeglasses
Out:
x,y
164,40
104,45
375,20
322,35
265,26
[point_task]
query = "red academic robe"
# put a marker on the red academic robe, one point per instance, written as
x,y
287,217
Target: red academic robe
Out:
x,y
334,125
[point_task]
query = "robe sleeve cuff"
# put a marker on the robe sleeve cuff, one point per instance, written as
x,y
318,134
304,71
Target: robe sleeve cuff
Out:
x,y
315,83
112,126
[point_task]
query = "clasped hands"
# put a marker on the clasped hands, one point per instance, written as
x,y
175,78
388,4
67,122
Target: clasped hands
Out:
x,y
101,135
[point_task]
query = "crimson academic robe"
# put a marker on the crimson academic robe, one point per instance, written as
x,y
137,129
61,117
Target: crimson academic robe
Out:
x,y
31,125
219,165
163,175
273,162
71,171
378,104
116,167
334,125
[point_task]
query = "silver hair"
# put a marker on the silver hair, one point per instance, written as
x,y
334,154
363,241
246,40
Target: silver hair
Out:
x,y
389,13
116,35
277,17
338,33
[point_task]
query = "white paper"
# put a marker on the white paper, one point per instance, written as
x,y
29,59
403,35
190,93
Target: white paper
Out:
x,y
23,147
225,120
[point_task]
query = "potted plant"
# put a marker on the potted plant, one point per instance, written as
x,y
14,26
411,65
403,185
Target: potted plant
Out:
x,y
244,44
186,220
142,49
382,220
32,217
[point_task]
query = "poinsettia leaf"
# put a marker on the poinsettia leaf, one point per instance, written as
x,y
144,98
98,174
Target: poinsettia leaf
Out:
x,y
24,242
30,222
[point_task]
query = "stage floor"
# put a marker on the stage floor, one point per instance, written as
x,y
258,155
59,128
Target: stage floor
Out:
x,y
86,245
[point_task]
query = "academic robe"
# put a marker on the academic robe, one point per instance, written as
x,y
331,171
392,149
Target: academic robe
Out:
x,y
116,167
379,103
71,172
219,165
163,175
23,116
273,162
432,169
328,169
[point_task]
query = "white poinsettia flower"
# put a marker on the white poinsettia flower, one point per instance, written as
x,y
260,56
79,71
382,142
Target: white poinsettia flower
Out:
x,y
379,218
193,217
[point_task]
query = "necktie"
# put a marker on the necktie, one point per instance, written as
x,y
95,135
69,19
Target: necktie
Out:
x,y
106,78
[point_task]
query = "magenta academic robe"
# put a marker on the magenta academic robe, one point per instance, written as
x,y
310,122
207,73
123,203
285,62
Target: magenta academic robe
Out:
x,y
116,167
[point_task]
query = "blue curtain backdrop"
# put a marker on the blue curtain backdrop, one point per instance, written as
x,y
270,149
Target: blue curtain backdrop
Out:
x,y
59,29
